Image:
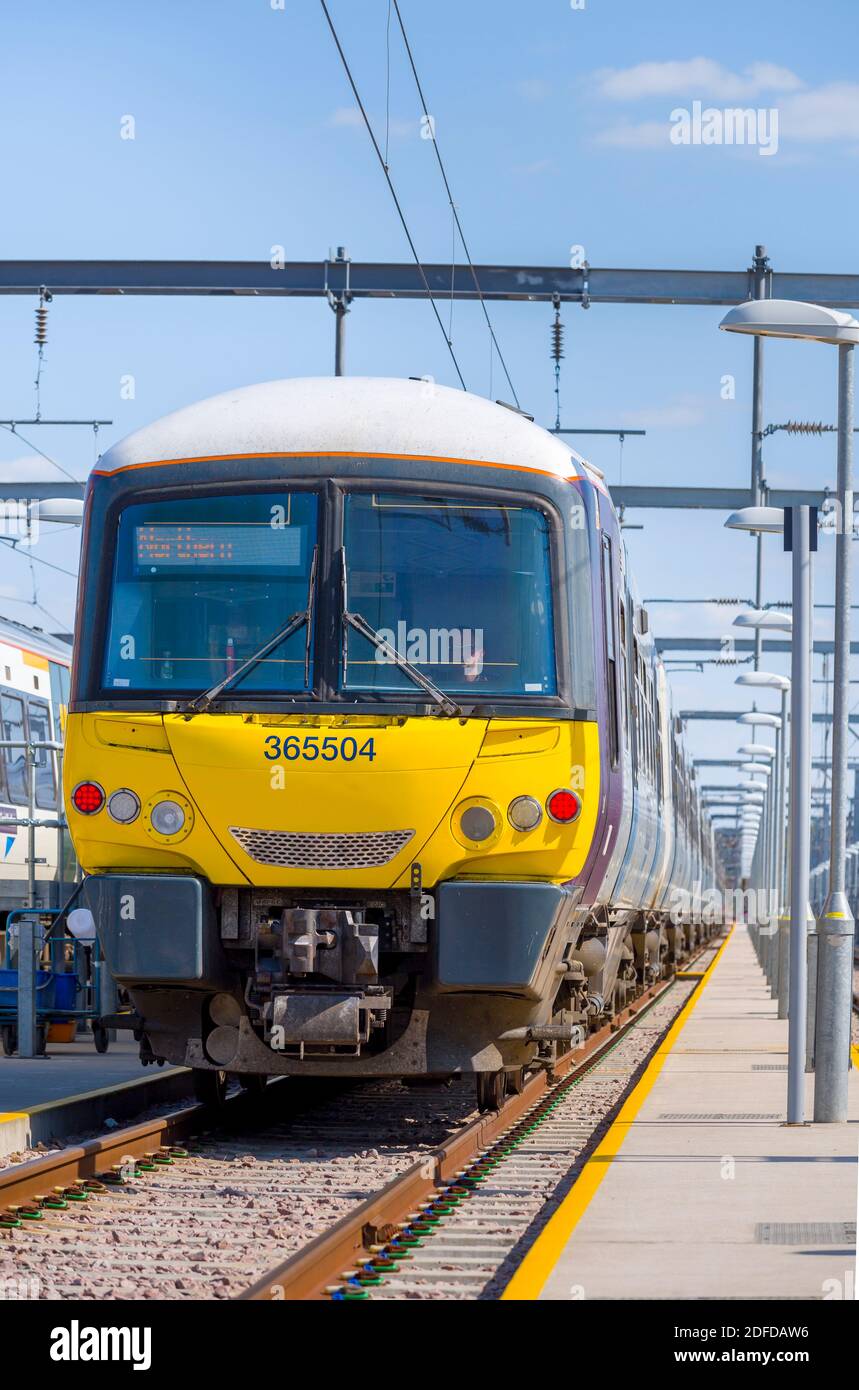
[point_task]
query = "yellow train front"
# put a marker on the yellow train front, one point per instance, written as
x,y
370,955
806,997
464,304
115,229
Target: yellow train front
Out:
x,y
334,758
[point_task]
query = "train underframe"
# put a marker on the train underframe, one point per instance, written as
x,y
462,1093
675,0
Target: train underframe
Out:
x,y
475,977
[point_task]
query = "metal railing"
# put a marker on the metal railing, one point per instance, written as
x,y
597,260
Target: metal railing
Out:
x,y
32,821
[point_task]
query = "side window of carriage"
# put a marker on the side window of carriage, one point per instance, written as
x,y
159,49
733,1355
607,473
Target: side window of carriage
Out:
x,y
610,650
14,752
39,719
640,706
660,790
622,650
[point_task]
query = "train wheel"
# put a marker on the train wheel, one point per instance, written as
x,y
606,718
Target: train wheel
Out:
x,y
9,1037
515,1081
490,1090
253,1083
210,1087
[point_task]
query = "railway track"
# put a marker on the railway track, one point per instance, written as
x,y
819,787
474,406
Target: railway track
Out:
x,y
331,1178
190,1206
459,1232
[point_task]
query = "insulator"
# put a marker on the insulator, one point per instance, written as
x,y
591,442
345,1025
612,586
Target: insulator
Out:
x,y
807,427
41,326
557,351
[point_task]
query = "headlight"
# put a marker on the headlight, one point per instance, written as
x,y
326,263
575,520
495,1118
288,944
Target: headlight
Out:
x,y
524,813
169,816
477,823
123,806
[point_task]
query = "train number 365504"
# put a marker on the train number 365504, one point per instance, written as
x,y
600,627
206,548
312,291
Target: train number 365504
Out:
x,y
312,747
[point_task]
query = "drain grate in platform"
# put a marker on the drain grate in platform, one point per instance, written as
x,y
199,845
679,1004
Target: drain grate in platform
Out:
x,y
806,1233
769,1066
728,1051
714,1115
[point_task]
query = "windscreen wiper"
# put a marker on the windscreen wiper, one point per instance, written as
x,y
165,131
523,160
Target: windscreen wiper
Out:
x,y
361,625
202,702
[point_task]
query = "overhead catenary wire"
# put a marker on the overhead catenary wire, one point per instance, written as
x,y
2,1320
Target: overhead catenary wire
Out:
x,y
13,546
431,127
393,191
40,340
30,445
387,84
557,353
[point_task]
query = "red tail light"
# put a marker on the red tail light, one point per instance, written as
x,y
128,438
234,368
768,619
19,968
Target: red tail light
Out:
x,y
87,798
564,806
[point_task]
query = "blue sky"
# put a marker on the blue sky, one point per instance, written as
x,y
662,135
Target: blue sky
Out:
x,y
552,123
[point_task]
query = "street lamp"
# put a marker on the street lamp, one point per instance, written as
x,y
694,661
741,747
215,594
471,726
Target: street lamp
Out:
x,y
772,721
769,680
786,318
761,617
800,528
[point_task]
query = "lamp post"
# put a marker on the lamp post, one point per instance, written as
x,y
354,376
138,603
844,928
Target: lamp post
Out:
x,y
761,619
785,318
760,751
755,753
760,719
800,536
776,953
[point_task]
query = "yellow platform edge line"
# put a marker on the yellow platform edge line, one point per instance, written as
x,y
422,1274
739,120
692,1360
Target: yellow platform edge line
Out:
x,y
854,1054
531,1276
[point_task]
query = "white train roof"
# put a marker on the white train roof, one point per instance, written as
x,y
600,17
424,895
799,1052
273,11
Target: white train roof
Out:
x,y
355,415
33,639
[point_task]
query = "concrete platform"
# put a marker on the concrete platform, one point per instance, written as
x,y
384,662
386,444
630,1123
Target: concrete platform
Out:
x,y
699,1191
68,1069
74,1088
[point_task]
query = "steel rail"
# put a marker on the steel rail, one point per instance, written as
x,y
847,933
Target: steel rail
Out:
x,y
80,1163
313,1271
82,1168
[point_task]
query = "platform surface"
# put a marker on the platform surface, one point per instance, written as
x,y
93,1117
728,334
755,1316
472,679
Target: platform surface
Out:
x,y
709,1194
69,1070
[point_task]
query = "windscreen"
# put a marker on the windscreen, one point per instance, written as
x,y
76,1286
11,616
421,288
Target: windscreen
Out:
x,y
200,584
460,588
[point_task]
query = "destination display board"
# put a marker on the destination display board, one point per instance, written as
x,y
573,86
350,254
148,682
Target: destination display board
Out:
x,y
179,547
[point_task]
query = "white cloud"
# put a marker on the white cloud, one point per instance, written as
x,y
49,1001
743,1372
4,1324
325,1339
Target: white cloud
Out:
x,y
646,135
345,116
350,118
534,88
676,620
539,166
827,113
30,469
822,115
682,414
701,77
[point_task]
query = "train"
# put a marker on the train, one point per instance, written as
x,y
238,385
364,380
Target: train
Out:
x,y
34,694
370,763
